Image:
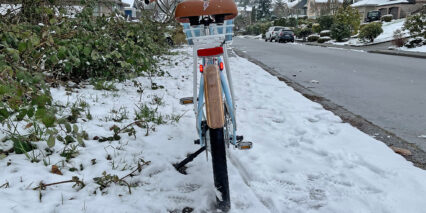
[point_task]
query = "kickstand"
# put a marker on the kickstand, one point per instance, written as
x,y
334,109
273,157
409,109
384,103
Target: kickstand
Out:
x,y
181,166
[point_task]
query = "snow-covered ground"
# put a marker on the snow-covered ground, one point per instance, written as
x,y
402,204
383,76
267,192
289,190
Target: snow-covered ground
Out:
x,y
388,29
305,159
416,49
258,37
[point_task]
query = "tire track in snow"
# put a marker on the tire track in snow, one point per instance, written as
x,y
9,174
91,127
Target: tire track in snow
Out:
x,y
247,179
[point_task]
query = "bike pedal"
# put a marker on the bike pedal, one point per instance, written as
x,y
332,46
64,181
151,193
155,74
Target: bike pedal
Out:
x,y
244,145
186,100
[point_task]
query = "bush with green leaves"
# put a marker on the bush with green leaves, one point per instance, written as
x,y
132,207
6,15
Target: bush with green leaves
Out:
x,y
258,28
416,24
305,32
324,39
415,42
348,16
82,47
34,54
316,28
325,22
340,31
280,22
387,18
370,31
325,33
292,22
313,38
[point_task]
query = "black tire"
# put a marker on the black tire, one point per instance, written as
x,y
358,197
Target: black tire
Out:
x,y
220,170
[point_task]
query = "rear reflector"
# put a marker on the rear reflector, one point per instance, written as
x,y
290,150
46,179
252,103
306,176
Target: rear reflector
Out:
x,y
221,66
201,68
210,52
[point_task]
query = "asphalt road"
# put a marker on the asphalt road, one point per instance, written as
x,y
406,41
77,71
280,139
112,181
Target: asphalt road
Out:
x,y
389,91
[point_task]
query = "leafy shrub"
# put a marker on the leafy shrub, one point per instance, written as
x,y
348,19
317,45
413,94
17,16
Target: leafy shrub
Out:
x,y
325,33
416,24
348,16
340,31
297,32
316,28
82,47
387,18
292,22
305,32
324,39
280,22
398,39
258,28
362,25
313,38
370,31
415,42
49,45
325,22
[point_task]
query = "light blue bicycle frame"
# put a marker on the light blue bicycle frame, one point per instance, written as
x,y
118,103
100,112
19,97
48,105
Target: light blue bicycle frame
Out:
x,y
226,81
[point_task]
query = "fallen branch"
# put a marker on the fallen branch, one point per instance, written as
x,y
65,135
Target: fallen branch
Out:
x,y
5,185
139,169
107,179
74,179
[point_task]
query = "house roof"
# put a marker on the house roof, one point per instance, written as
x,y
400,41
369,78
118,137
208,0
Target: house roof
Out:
x,y
377,2
300,5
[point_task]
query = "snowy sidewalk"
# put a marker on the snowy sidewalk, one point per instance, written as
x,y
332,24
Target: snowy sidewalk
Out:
x,y
304,158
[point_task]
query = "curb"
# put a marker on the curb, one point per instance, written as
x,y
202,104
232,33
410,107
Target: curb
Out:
x,y
399,53
384,52
418,157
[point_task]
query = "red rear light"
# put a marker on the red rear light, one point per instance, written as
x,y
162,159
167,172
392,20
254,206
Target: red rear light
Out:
x,y
221,66
201,68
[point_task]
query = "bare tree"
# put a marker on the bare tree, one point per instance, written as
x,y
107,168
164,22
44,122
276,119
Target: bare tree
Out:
x,y
280,9
163,10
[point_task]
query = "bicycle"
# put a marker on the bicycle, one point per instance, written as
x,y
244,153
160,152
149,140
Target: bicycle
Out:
x,y
208,27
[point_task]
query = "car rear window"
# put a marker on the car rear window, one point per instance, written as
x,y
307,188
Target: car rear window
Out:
x,y
287,32
278,28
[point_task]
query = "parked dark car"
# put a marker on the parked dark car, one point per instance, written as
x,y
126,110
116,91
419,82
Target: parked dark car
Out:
x,y
373,16
285,35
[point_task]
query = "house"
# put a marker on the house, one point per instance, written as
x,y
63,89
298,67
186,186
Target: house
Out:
x,y
397,8
299,8
317,8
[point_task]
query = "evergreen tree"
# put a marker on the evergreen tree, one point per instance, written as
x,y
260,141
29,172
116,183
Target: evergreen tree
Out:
x,y
253,14
264,9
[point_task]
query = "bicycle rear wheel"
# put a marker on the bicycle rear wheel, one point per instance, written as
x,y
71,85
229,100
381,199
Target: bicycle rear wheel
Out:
x,y
220,170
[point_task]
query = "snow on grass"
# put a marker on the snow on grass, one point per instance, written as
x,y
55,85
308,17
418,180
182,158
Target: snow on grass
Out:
x,y
415,49
388,29
304,158
258,37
